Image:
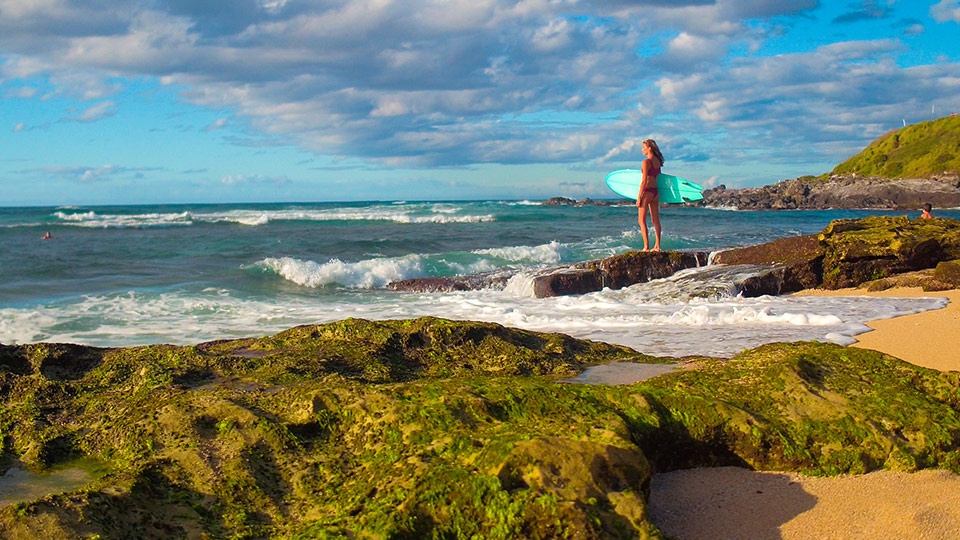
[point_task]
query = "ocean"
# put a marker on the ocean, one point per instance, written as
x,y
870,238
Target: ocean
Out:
x,y
115,276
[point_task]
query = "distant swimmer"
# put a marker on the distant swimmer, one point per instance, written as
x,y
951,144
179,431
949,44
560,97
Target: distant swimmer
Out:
x,y
927,207
46,236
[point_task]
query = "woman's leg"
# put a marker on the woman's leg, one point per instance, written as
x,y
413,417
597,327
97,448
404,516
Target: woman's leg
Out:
x,y
655,218
642,220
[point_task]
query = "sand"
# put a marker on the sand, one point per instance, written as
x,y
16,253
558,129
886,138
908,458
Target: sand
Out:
x,y
729,503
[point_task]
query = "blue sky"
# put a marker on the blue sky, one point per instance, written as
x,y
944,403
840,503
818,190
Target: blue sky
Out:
x,y
177,101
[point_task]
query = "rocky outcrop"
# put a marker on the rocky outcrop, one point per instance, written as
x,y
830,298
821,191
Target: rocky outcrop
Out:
x,y
487,280
613,272
566,201
851,252
847,253
861,250
430,428
799,260
840,192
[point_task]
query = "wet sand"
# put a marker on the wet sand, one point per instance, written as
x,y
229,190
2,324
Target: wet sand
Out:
x,y
730,503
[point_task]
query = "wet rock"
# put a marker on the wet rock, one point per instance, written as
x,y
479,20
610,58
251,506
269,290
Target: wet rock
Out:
x,y
566,281
489,280
614,272
800,257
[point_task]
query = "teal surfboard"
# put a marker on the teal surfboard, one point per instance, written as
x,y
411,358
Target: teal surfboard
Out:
x,y
673,189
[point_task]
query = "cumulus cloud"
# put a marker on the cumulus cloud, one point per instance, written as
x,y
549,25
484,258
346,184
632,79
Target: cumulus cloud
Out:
x,y
426,83
946,10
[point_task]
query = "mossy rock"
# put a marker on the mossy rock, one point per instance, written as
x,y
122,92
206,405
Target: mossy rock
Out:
x,y
867,249
813,407
948,272
265,438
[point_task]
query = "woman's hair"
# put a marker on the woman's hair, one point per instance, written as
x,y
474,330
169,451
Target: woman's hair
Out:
x,y
656,150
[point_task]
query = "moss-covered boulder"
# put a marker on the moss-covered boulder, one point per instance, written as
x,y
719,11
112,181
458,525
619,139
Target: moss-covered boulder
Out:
x,y
432,429
861,250
810,407
948,272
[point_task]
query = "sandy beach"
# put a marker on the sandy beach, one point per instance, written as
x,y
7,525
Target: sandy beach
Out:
x,y
730,503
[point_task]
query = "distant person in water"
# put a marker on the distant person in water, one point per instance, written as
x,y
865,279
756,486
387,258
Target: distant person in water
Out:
x,y
927,207
648,199
46,236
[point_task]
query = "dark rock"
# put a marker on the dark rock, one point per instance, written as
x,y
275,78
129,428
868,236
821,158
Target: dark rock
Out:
x,y
614,272
559,201
472,282
839,192
634,267
770,282
948,272
566,281
801,258
566,201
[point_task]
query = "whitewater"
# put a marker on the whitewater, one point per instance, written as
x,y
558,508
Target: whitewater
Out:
x,y
185,274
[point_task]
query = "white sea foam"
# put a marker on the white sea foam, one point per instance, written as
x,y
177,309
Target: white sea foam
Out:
x,y
546,253
120,221
397,214
366,274
677,328
413,214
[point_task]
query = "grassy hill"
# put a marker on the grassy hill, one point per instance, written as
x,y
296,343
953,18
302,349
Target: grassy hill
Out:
x,y
922,150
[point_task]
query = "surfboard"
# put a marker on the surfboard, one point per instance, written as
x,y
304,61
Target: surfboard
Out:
x,y
673,189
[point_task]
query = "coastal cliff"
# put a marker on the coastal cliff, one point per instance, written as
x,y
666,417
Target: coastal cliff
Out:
x,y
901,169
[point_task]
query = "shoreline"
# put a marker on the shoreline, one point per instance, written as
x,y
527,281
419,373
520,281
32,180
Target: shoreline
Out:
x,y
730,502
929,339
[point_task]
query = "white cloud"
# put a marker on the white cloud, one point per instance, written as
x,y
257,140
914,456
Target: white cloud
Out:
x,y
946,10
96,112
217,124
461,82
232,180
91,175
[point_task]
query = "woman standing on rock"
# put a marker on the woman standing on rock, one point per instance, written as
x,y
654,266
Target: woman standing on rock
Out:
x,y
648,199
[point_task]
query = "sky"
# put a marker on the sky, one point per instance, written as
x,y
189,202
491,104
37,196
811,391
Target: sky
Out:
x,y
227,101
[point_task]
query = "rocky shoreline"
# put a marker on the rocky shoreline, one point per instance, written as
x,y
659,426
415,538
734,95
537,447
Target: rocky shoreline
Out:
x,y
436,428
810,193
883,249
848,192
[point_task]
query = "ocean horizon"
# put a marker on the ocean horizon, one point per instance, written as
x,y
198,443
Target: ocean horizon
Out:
x,y
114,276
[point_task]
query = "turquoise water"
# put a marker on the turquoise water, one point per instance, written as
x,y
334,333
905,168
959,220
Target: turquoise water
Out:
x,y
130,275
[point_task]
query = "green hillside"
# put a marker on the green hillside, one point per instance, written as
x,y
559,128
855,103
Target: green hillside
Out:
x,y
922,150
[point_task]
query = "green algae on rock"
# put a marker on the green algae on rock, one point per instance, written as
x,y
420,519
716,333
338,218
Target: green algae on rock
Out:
x,y
435,429
810,407
867,249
